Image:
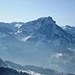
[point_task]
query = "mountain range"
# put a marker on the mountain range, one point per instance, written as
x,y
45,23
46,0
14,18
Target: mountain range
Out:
x,y
10,68
40,42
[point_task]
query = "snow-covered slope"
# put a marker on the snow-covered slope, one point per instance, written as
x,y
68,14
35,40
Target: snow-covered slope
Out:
x,y
40,42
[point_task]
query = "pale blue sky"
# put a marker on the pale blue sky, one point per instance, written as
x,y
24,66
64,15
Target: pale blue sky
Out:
x,y
62,11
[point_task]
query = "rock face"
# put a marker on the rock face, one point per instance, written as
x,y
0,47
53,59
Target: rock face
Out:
x,y
41,42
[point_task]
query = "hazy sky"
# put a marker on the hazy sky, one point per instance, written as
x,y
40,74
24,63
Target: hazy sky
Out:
x,y
62,11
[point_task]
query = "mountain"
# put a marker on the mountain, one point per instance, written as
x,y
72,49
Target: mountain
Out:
x,y
42,70
45,71
6,70
40,42
13,68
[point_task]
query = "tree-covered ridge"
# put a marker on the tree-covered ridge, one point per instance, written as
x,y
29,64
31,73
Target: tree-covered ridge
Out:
x,y
9,71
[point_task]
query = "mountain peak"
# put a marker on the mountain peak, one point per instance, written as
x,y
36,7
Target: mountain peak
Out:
x,y
48,20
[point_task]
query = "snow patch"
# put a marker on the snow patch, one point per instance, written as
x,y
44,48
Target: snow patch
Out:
x,y
33,73
29,72
19,31
57,55
26,38
18,25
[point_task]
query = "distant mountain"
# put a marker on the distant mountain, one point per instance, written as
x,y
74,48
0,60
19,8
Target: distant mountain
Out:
x,y
13,69
2,63
45,71
42,70
40,42
15,66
